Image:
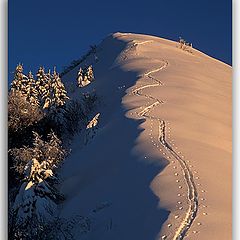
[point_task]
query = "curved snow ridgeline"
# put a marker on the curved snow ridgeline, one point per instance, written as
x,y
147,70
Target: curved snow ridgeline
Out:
x,y
159,164
188,176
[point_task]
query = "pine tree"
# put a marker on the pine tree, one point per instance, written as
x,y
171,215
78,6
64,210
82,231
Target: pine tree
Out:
x,y
80,77
89,73
37,194
32,93
25,85
55,152
59,93
85,76
42,86
51,90
20,81
18,76
47,93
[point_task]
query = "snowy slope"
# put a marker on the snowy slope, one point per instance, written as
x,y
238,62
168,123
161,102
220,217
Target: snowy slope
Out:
x,y
158,165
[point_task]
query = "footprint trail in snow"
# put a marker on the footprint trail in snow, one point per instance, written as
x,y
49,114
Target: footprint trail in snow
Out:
x,y
192,194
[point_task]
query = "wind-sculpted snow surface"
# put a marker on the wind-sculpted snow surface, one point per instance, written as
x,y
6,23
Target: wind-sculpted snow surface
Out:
x,y
161,154
192,192
188,176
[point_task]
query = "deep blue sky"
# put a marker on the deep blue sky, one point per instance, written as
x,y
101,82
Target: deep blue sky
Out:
x,y
54,32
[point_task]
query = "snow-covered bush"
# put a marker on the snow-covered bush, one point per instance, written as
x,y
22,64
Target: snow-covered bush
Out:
x,y
56,228
73,116
21,113
76,113
184,45
23,117
90,100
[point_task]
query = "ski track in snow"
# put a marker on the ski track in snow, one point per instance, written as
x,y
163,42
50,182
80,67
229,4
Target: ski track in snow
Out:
x,y
187,174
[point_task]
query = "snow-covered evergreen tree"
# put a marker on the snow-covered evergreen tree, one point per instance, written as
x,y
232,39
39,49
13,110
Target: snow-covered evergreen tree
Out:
x,y
89,73
32,94
51,90
42,86
80,77
85,76
18,76
37,195
20,82
59,93
47,93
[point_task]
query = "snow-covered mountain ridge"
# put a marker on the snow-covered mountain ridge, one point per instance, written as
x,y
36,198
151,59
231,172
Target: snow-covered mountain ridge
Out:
x,y
159,161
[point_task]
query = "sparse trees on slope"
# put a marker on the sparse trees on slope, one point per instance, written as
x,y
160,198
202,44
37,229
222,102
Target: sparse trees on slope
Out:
x,y
75,63
186,46
85,76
